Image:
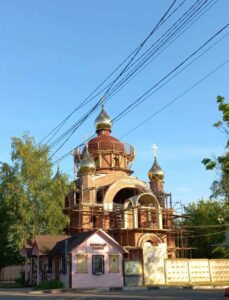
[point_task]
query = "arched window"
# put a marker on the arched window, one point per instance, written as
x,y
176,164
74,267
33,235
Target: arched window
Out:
x,y
128,215
116,161
76,197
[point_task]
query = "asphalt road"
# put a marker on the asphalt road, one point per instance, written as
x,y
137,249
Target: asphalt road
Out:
x,y
165,294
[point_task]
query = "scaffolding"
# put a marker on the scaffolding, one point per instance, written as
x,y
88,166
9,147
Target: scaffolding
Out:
x,y
118,222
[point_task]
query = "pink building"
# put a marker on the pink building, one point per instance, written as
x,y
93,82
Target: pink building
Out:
x,y
86,260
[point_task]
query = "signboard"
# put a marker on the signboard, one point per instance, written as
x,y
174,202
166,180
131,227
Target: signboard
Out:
x,y
97,246
133,267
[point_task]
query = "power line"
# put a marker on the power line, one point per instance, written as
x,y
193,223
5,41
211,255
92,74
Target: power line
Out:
x,y
203,235
174,100
140,47
79,123
179,96
76,124
142,98
134,53
190,16
204,226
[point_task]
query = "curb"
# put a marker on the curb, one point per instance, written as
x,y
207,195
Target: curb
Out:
x,y
126,288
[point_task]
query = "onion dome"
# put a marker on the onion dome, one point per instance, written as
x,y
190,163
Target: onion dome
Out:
x,y
156,171
103,121
87,164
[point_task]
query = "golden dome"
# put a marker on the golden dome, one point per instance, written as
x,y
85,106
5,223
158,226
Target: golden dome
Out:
x,y
156,171
103,121
87,164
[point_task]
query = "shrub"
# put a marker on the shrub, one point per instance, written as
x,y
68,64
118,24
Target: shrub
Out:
x,y
52,284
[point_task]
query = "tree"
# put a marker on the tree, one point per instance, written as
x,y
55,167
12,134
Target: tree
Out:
x,y
206,226
209,219
220,187
31,201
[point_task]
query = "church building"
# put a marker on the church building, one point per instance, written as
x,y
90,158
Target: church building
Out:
x,y
107,196
119,224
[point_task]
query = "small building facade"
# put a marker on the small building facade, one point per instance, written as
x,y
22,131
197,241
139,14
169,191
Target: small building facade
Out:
x,y
86,260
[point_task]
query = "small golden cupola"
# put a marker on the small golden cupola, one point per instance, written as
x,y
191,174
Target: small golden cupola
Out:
x,y
156,177
87,164
155,171
103,121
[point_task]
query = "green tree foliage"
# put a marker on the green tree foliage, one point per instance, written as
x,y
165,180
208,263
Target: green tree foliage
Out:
x,y
206,227
31,201
220,187
209,219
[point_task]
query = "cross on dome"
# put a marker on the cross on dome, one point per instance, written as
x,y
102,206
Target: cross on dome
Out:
x,y
102,101
155,150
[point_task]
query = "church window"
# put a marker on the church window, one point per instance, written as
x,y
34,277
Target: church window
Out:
x,y
76,197
98,264
100,195
116,161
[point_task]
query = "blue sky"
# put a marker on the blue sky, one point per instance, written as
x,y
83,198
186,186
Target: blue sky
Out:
x,y
54,53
